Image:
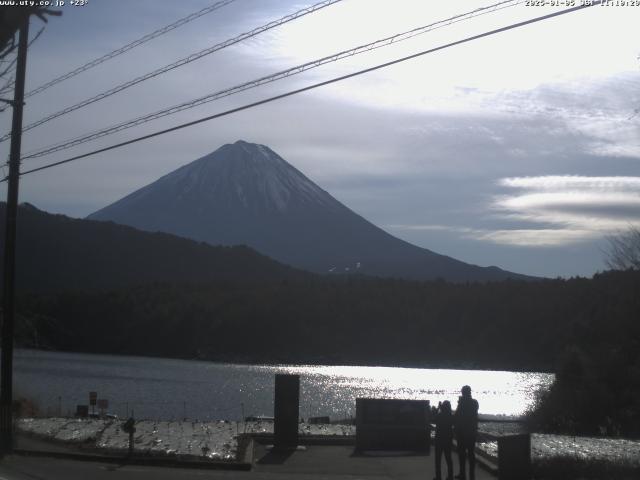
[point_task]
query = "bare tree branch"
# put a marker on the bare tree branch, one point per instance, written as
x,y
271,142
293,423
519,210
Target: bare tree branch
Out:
x,y
8,72
12,17
623,250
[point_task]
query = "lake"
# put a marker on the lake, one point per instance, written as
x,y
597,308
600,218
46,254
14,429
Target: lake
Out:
x,y
166,389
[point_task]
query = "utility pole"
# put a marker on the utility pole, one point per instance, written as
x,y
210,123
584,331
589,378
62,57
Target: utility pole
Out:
x,y
9,270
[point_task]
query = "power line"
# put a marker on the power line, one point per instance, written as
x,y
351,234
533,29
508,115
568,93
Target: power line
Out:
x,y
7,87
129,46
270,78
179,63
314,86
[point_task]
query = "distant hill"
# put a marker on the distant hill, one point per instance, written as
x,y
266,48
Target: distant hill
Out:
x,y
509,325
56,252
245,193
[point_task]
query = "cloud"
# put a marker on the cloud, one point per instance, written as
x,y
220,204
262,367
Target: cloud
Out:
x,y
430,227
565,182
543,237
553,211
603,111
568,209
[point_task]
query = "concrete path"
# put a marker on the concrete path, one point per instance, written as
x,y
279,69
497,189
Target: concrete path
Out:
x,y
314,462
336,461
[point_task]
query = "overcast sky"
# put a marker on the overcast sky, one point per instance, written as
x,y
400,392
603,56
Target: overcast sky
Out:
x,y
520,150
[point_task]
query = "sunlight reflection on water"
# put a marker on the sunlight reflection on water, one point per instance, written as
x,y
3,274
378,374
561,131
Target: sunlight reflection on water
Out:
x,y
498,392
161,388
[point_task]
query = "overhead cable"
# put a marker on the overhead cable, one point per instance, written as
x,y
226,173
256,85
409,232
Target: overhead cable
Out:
x,y
177,64
129,46
269,79
314,86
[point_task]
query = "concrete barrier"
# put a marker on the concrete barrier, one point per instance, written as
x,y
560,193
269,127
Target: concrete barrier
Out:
x,y
514,457
392,424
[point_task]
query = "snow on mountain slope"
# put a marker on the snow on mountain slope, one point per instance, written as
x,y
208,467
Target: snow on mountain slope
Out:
x,y
245,193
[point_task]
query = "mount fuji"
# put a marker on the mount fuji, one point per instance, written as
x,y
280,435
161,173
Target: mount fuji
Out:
x,y
245,193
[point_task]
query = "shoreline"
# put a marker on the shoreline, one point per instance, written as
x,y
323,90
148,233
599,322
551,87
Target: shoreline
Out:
x,y
218,441
320,362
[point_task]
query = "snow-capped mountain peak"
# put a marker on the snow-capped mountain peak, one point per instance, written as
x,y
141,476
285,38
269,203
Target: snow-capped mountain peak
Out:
x,y
250,175
245,193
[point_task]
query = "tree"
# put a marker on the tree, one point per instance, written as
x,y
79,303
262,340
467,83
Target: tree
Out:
x,y
623,250
11,18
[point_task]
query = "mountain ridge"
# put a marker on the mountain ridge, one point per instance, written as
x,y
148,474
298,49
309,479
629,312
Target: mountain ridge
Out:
x,y
244,193
57,253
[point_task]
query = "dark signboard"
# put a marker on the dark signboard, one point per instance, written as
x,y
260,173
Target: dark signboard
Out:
x,y
286,407
392,424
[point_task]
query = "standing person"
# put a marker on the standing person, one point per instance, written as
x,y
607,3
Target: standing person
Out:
x,y
466,425
444,439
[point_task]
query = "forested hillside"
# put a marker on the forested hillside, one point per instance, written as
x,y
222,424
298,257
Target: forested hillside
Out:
x,y
505,325
98,287
56,252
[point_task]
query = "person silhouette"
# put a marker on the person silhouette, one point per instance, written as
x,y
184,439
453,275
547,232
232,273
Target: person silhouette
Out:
x,y
466,428
444,439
